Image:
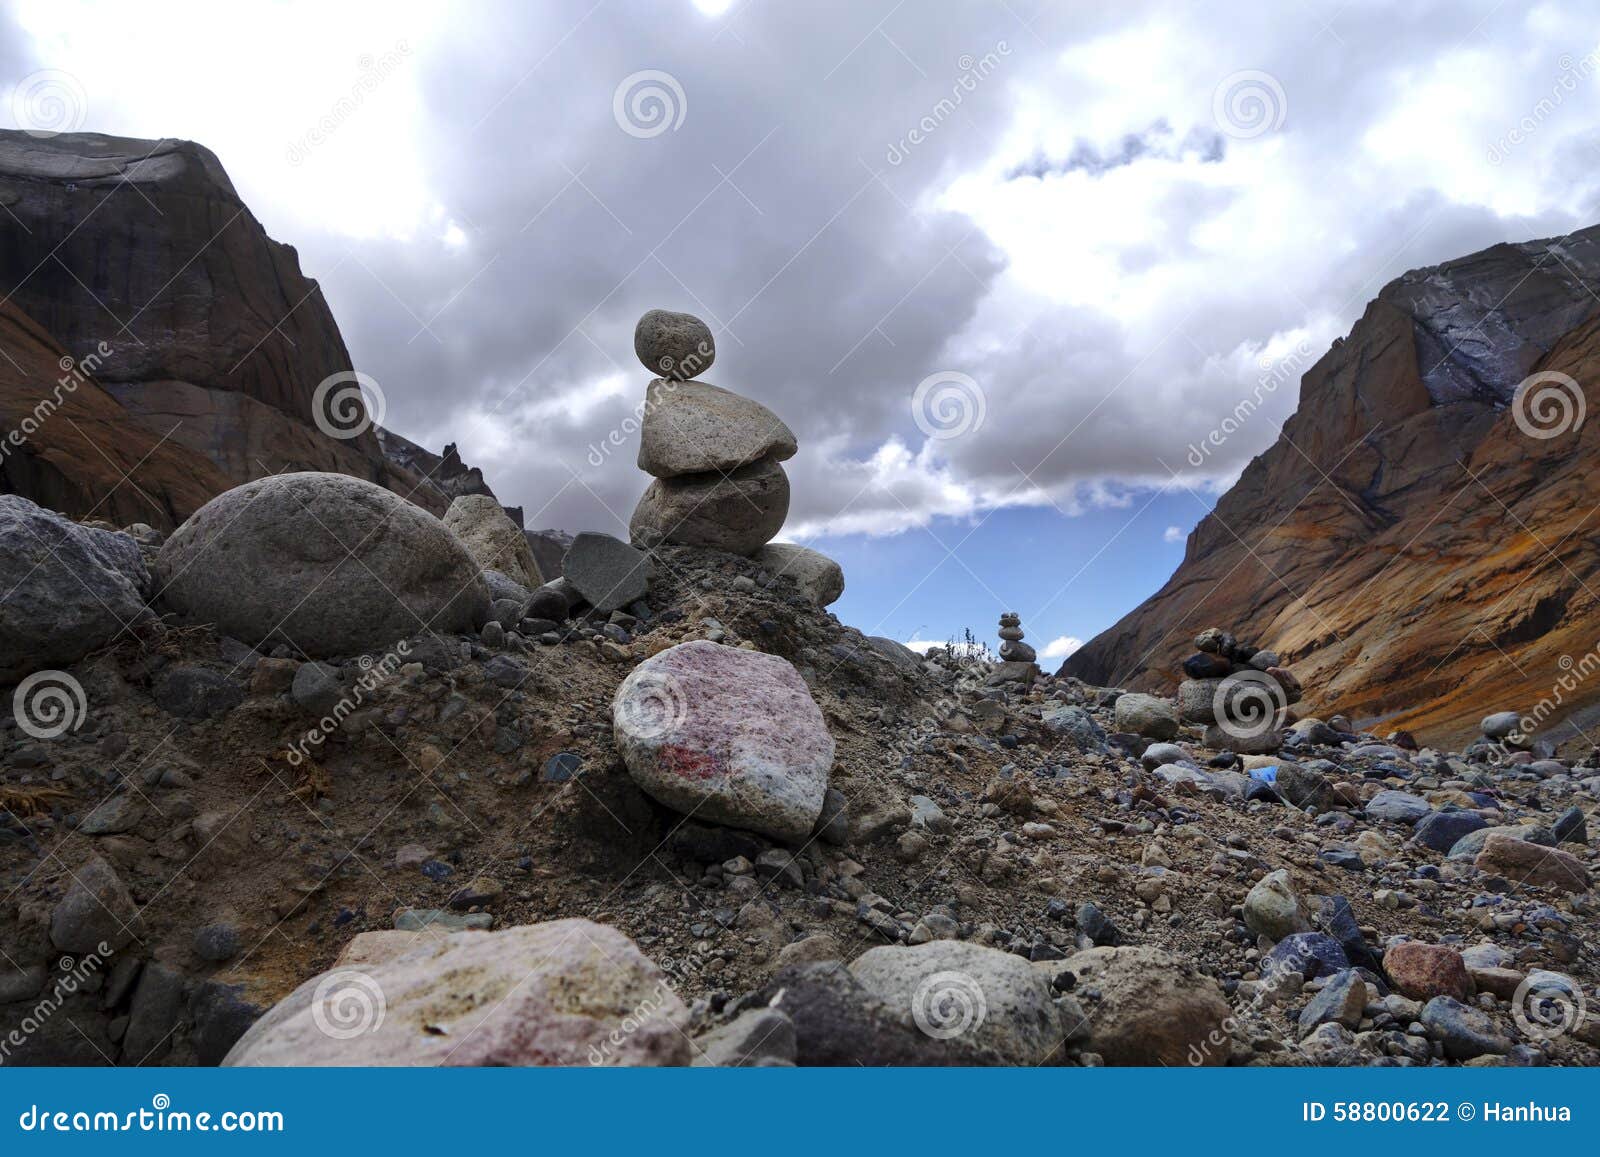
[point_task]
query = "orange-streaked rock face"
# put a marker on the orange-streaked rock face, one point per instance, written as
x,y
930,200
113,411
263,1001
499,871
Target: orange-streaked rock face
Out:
x,y
1417,555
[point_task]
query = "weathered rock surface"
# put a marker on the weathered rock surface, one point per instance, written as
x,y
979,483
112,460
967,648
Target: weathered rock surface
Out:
x,y
65,589
568,992
96,910
1152,1008
606,571
491,538
678,346
1325,556
727,735
738,512
698,428
1523,862
952,989
1148,715
334,566
819,578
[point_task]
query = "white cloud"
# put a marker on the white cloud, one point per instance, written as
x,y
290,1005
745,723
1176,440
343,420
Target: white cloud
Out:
x,y
1060,648
1173,534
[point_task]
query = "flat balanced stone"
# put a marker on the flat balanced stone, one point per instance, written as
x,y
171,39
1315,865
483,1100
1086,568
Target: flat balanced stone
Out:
x,y
695,428
606,571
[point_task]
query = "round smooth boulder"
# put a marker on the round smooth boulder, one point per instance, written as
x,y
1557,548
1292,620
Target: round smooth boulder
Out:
x,y
738,512
677,346
1424,971
820,579
68,589
695,428
567,992
1500,725
995,1000
726,735
1146,715
330,564
486,530
1152,1008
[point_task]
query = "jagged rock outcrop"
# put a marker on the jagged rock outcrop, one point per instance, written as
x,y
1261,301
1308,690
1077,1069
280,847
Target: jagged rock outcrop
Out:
x,y
1418,542
214,341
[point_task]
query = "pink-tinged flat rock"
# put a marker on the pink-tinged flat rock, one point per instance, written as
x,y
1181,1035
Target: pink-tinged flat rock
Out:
x,y
1532,864
726,735
569,992
1424,971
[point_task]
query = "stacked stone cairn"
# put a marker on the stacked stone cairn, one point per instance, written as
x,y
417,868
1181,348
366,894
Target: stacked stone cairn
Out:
x,y
714,454
1239,692
1012,648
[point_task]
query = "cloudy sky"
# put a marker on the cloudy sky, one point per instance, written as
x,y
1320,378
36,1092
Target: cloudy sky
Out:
x,y
998,264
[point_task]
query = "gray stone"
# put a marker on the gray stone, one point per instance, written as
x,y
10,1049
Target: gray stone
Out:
x,y
97,909
18,983
153,1016
1146,715
1076,725
1465,1032
698,428
1341,1001
333,565
216,942
927,814
1303,787
833,825
678,346
552,601
194,692
440,920
1197,700
1501,724
68,589
218,1016
738,512
503,586
607,572
491,538
1158,753
1272,909
1571,827
756,1037
1400,807
113,816
819,578
316,687
953,988
896,652
1442,829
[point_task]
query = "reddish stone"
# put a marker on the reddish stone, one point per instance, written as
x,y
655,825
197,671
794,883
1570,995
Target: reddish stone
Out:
x,y
1424,971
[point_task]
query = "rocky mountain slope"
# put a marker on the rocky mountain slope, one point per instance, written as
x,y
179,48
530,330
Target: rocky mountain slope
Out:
x,y
138,257
1419,543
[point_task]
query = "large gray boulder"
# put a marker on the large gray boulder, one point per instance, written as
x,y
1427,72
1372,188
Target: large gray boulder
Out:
x,y
606,571
330,564
726,735
675,345
567,992
695,428
819,578
489,535
65,589
97,913
1148,715
953,989
738,512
